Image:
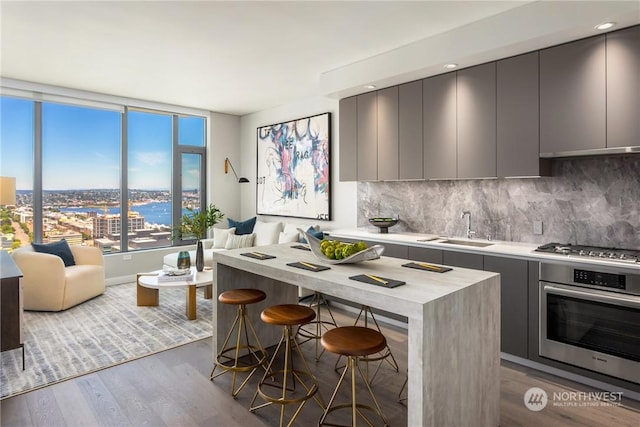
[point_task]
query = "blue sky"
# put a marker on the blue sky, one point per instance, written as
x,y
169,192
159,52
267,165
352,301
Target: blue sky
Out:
x,y
81,147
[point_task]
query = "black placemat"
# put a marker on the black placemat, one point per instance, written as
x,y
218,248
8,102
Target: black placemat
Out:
x,y
308,266
257,255
383,281
427,267
301,247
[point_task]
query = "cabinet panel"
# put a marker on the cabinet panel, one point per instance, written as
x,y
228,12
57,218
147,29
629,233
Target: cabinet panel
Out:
x,y
387,122
463,259
348,140
518,142
623,87
513,303
367,136
534,310
439,126
425,255
573,96
410,130
477,121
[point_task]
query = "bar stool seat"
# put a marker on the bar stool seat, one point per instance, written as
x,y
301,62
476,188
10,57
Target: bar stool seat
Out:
x,y
247,357
353,342
287,315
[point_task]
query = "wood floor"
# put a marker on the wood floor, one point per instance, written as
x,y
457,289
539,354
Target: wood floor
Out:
x,y
172,388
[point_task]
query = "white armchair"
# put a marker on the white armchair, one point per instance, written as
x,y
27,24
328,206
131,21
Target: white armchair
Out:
x,y
50,286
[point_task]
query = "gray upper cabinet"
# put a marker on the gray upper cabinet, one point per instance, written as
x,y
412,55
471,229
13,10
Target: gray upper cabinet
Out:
x,y
573,96
348,120
387,122
518,142
439,126
410,130
623,87
367,137
477,121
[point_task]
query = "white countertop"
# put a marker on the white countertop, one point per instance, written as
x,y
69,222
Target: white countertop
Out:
x,y
497,248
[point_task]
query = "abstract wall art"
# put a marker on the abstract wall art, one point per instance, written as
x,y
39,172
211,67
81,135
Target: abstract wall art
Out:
x,y
294,168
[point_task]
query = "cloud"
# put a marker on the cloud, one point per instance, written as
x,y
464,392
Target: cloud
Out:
x,y
152,158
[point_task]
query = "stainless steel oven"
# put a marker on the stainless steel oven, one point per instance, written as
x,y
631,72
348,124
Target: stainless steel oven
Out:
x,y
590,317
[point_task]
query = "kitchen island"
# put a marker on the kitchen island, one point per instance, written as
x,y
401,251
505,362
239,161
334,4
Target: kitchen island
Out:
x,y
453,323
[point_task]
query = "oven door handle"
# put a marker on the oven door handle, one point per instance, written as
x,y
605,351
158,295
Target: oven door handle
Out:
x,y
597,296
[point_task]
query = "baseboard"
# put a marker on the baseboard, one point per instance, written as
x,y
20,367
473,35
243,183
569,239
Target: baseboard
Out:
x,y
570,376
120,280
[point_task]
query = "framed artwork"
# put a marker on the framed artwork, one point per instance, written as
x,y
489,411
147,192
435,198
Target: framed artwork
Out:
x,y
294,168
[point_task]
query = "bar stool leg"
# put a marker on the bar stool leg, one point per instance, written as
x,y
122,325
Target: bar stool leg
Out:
x,y
288,339
254,352
317,325
351,367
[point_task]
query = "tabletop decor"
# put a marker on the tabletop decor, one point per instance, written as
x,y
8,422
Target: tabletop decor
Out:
x,y
371,253
294,166
194,224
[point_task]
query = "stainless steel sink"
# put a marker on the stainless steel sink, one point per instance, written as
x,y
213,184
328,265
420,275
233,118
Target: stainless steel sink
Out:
x,y
467,243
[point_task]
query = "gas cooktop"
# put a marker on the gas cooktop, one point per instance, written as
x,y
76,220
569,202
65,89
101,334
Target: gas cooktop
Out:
x,y
611,254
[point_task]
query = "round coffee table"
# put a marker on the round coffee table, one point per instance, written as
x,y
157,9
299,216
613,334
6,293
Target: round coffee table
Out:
x,y
147,289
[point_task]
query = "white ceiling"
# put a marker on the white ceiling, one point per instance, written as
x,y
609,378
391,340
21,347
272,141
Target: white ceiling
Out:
x,y
240,57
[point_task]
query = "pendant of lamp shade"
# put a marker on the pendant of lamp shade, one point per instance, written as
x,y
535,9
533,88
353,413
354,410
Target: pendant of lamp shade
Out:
x,y
227,165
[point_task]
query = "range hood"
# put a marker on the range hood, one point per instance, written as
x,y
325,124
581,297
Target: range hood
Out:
x,y
593,152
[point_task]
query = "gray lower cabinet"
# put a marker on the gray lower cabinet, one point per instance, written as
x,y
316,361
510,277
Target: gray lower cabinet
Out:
x,y
425,255
410,130
463,259
439,135
477,121
513,303
518,139
623,87
387,122
367,137
573,96
393,250
348,125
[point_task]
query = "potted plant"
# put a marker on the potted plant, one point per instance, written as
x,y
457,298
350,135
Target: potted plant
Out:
x,y
194,224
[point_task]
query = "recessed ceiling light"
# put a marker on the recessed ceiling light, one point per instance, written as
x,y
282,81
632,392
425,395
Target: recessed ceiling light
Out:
x,y
450,66
370,86
605,26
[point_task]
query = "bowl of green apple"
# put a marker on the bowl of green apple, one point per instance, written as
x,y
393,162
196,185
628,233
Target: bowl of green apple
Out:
x,y
337,252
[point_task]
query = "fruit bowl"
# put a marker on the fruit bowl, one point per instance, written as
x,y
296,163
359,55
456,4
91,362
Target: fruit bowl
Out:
x,y
384,223
371,253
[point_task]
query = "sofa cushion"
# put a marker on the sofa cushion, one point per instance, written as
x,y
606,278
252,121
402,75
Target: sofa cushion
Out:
x,y
266,233
207,243
313,232
243,227
288,237
220,236
243,241
60,248
291,227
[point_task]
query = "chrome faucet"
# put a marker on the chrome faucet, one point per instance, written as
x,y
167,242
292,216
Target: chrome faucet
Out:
x,y
469,232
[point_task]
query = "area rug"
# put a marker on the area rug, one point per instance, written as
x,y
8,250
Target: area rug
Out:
x,y
103,332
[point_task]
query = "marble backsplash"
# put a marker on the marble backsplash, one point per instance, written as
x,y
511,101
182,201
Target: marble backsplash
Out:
x,y
587,201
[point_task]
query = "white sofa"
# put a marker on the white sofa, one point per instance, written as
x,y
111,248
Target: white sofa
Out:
x,y
264,233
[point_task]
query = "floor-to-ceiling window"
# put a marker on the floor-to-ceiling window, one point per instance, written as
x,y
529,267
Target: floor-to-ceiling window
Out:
x,y
16,161
117,177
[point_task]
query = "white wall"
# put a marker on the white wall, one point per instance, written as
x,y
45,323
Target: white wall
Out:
x,y
343,194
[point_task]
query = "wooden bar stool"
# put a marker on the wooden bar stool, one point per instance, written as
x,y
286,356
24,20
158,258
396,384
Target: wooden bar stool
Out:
x,y
246,357
287,315
314,329
355,343
383,355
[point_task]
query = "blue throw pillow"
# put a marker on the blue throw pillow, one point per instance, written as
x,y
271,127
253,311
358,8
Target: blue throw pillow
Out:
x,y
244,227
312,231
60,248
